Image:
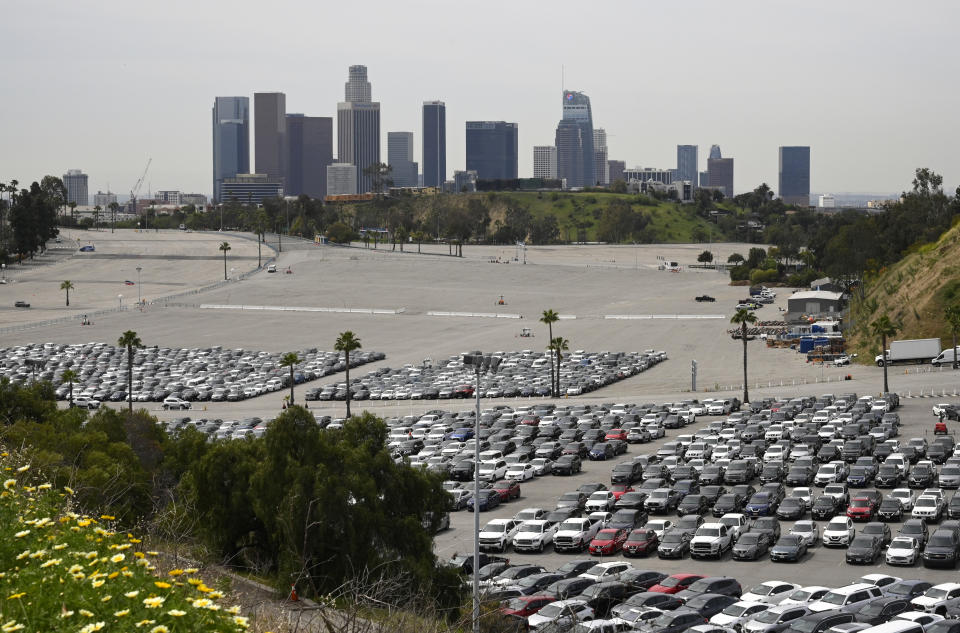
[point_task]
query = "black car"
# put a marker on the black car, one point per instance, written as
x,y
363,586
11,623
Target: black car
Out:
x,y
908,589
649,600
575,499
888,476
567,465
751,546
626,473
921,476
674,544
819,622
825,507
770,525
729,503
875,528
641,578
723,585
917,528
673,622
882,609
864,549
771,472
790,547
792,508
574,568
603,595
942,549
712,493
891,509
712,474
631,500
627,518
709,604
799,476
569,587
693,504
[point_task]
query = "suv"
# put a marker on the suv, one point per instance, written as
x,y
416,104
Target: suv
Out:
x,y
848,598
863,507
498,533
942,549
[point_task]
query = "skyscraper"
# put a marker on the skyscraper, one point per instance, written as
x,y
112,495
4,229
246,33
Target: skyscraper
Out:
x,y
400,158
720,173
231,140
492,149
358,127
545,162
76,183
601,168
715,151
434,143
616,169
309,152
794,186
687,163
576,161
270,133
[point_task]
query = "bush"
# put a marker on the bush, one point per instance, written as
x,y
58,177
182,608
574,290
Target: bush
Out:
x,y
760,276
341,233
739,273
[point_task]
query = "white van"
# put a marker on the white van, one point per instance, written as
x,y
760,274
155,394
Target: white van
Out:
x,y
946,357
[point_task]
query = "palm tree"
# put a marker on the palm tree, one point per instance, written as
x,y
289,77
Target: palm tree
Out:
x,y
130,340
96,217
558,346
225,246
952,314
114,207
744,317
73,209
290,359
346,343
69,376
884,328
68,286
550,317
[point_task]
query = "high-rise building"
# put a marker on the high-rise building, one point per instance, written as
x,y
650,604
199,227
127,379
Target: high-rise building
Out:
x,y
715,151
231,140
464,181
601,168
720,173
270,134
309,151
251,188
434,143
576,162
76,183
103,200
794,182
358,128
492,149
171,197
616,169
687,163
545,162
648,174
341,179
403,171
704,178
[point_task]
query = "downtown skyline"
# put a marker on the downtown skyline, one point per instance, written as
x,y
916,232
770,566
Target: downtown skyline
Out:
x,y
850,87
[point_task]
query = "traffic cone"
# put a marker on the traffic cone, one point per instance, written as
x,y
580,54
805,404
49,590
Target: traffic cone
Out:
x,y
293,594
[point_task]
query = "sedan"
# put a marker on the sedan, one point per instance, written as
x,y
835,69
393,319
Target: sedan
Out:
x,y
488,499
790,547
641,542
674,544
808,531
903,550
507,489
608,541
864,549
751,546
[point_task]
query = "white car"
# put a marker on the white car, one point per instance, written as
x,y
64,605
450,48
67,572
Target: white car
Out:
x,y
808,531
659,526
918,617
173,402
769,592
927,507
935,596
602,572
738,612
493,469
498,534
841,361
520,472
542,466
562,613
905,495
601,501
839,532
803,493
805,595
534,535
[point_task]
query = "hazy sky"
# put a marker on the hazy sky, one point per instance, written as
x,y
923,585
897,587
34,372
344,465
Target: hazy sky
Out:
x,y
870,85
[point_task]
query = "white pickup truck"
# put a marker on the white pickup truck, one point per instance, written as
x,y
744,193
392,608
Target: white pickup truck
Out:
x,y
712,540
575,534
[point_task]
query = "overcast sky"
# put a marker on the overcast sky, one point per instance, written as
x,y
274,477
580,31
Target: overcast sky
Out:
x,y
870,85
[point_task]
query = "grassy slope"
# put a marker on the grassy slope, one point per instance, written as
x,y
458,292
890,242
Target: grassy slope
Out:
x,y
913,291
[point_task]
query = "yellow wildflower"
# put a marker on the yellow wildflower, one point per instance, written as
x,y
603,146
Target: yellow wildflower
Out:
x,y
162,585
23,554
241,621
113,575
60,546
11,626
175,572
93,626
10,484
23,469
159,629
153,603
177,613
153,553
75,569
215,594
98,583
66,614
121,613
138,554
85,613
17,596
200,603
234,610
132,594
107,517
22,533
194,581
50,563
106,599
68,489
117,558
190,570
144,622
135,540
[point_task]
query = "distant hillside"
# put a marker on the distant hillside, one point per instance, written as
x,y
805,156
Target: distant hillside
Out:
x,y
914,291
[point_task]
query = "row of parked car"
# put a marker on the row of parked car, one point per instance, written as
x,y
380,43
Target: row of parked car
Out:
x,y
587,596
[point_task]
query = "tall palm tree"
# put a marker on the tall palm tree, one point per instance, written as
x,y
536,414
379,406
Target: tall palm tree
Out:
x,y
73,209
952,313
558,346
743,318
96,217
550,317
69,376
346,343
68,286
130,340
225,246
114,207
290,359
884,328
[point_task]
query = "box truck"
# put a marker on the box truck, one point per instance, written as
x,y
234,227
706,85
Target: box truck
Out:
x,y
921,350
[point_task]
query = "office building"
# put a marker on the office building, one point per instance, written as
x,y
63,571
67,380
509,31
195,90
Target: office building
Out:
x,y
434,154
704,178
403,171
648,174
576,162
720,174
270,134
687,163
794,181
103,200
196,199
827,201
231,140
171,198
545,162
309,152
715,151
601,168
76,183
615,169
464,181
341,179
250,188
358,129
492,149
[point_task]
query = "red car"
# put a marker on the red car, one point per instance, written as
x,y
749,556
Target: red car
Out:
x,y
641,542
940,428
608,541
524,606
463,391
530,420
507,489
675,583
861,508
619,490
616,434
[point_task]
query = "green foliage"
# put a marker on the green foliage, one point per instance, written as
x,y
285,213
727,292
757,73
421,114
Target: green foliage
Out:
x,y
32,216
760,275
705,257
739,273
341,233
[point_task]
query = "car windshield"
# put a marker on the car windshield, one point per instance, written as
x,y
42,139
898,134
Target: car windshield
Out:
x,y
762,590
673,537
495,527
537,527
550,611
769,616
801,595
901,543
750,538
736,609
802,527
709,532
516,604
926,502
638,535
941,540
936,594
862,541
597,570
872,609
664,621
670,582
824,501
607,534
912,528
860,502
834,598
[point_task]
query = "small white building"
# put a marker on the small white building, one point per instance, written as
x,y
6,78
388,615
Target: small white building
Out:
x,y
341,179
826,201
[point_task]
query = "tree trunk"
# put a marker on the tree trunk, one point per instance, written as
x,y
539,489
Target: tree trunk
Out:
x,y
346,356
130,378
224,265
291,384
743,335
554,381
68,297
71,394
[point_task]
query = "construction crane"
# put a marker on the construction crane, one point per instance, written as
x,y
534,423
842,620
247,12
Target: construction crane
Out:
x,y
136,188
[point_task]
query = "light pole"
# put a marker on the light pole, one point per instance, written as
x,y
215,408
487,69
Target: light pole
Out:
x,y
3,270
481,364
120,299
139,294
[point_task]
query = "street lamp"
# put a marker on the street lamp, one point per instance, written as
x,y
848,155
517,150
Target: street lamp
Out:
x,y
139,294
120,299
481,364
3,270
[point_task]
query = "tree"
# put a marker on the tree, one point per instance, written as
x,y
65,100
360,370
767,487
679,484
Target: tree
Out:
x,y
705,257
884,328
73,209
952,314
346,343
550,317
736,259
379,175
225,246
558,346
130,340
290,359
744,317
114,208
96,217
68,376
68,286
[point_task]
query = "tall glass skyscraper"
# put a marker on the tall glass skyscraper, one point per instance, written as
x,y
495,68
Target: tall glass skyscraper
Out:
x,y
231,140
576,161
309,152
794,185
687,164
270,134
434,143
492,149
358,127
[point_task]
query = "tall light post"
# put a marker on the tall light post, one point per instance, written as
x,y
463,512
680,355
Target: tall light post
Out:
x,y
481,364
139,294
120,299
